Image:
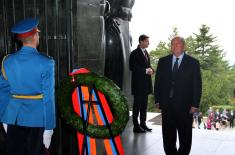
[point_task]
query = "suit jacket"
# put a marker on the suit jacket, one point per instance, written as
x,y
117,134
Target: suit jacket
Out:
x,y
187,86
141,83
29,73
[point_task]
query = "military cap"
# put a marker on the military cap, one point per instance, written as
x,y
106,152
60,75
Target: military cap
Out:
x,y
25,28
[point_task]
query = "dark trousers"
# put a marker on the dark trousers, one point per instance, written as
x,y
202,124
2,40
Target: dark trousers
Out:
x,y
139,107
231,123
25,141
2,140
174,121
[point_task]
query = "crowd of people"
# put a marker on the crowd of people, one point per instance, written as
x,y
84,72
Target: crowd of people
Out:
x,y
215,119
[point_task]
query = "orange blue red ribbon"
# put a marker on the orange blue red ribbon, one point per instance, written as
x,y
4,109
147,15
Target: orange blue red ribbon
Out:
x,y
83,100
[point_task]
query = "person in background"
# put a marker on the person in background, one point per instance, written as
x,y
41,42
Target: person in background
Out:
x,y
208,124
217,115
29,114
217,125
200,117
231,119
141,83
209,111
177,91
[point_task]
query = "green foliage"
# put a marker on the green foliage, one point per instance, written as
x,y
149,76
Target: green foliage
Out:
x,y
151,104
222,107
218,78
163,49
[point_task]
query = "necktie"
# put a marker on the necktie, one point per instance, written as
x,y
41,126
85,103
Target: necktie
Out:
x,y
174,72
175,67
146,55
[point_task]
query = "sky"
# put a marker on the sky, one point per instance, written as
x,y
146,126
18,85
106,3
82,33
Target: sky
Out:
x,y
156,18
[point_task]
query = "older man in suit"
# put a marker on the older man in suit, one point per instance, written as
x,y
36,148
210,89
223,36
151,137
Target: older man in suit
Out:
x,y
141,83
177,90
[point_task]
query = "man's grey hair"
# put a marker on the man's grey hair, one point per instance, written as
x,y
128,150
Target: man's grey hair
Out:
x,y
178,37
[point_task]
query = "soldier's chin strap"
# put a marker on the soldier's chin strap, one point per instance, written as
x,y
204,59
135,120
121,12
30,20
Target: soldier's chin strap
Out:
x,y
3,70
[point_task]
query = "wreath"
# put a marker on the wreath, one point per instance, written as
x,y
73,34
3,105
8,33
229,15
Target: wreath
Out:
x,y
116,100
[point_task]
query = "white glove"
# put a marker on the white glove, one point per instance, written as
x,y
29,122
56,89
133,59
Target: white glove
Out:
x,y
5,127
47,134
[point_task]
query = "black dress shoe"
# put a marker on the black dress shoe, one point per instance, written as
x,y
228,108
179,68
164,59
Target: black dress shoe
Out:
x,y
145,128
138,129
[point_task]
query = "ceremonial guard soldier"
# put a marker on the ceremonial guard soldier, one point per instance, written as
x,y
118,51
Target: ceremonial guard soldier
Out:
x,y
29,113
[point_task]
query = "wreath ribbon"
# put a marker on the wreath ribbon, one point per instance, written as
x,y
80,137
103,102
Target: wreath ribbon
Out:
x,y
94,94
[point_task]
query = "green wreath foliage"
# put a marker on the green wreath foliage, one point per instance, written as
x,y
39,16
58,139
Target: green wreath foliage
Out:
x,y
113,94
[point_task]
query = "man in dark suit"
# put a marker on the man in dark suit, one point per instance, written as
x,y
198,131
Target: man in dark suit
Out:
x,y
141,83
177,90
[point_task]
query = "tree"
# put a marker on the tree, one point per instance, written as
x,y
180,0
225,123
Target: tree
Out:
x,y
162,48
207,51
215,70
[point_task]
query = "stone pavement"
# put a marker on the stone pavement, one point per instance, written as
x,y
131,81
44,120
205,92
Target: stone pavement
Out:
x,y
205,142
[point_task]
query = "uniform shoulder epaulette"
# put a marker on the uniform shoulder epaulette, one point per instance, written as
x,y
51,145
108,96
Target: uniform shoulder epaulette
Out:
x,y
44,54
2,68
